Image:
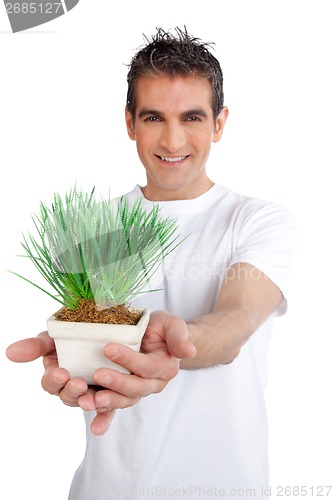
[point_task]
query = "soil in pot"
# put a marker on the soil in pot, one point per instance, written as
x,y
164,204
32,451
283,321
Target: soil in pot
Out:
x,y
88,312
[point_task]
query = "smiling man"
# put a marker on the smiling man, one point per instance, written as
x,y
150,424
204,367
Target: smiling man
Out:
x,y
190,419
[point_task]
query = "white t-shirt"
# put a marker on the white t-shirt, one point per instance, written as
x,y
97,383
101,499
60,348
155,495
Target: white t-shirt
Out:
x,y
205,434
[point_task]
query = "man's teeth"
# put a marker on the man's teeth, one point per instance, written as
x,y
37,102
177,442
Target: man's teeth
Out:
x,y
174,159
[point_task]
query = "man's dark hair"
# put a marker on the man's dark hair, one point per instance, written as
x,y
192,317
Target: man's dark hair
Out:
x,y
176,55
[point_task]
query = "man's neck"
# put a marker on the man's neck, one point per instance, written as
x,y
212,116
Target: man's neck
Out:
x,y
157,194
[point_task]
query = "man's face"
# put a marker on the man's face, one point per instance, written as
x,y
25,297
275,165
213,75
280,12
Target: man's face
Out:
x,y
173,129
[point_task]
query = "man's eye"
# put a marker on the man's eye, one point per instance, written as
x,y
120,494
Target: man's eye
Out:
x,y
192,119
151,119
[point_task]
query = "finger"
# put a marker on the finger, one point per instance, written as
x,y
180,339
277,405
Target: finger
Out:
x,y
109,400
87,400
54,380
122,385
102,422
50,361
175,333
180,347
153,365
72,391
30,349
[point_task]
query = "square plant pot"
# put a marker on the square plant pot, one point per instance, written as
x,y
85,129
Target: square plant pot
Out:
x,y
80,345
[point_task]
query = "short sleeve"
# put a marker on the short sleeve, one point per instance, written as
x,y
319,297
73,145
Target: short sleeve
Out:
x,y
266,240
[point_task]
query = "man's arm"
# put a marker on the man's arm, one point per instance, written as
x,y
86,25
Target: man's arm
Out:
x,y
247,298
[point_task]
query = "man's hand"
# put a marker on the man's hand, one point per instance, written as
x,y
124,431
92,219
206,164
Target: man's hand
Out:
x,y
55,381
164,345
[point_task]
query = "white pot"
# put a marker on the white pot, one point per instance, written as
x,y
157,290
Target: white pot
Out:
x,y
80,345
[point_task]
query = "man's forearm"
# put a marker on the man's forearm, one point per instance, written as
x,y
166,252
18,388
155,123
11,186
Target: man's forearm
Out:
x,y
218,337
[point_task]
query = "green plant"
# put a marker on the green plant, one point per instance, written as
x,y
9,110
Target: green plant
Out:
x,y
97,249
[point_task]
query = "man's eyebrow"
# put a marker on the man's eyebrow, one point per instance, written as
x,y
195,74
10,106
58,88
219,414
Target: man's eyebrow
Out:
x,y
147,111
195,112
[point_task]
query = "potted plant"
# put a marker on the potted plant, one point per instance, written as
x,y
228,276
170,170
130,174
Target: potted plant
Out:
x,y
96,255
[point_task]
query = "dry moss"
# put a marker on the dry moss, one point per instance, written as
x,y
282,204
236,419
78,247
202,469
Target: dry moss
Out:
x,y
87,312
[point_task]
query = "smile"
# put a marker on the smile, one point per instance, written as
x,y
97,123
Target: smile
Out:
x,y
173,159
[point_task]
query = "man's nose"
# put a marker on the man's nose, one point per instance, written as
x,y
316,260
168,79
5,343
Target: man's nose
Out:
x,y
173,137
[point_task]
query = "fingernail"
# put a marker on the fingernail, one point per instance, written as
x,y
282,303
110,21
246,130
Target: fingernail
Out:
x,y
113,353
76,394
59,379
103,409
105,379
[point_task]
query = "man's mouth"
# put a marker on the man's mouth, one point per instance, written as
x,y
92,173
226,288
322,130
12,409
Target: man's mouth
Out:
x,y
172,159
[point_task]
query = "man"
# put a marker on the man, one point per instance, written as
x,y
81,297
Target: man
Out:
x,y
203,430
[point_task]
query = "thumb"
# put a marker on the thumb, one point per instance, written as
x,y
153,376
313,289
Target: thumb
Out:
x,y
176,338
30,349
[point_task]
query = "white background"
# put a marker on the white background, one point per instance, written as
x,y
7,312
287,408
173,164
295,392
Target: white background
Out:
x,y
62,95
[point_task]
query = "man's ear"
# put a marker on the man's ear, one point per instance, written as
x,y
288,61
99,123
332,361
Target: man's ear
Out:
x,y
219,124
129,124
